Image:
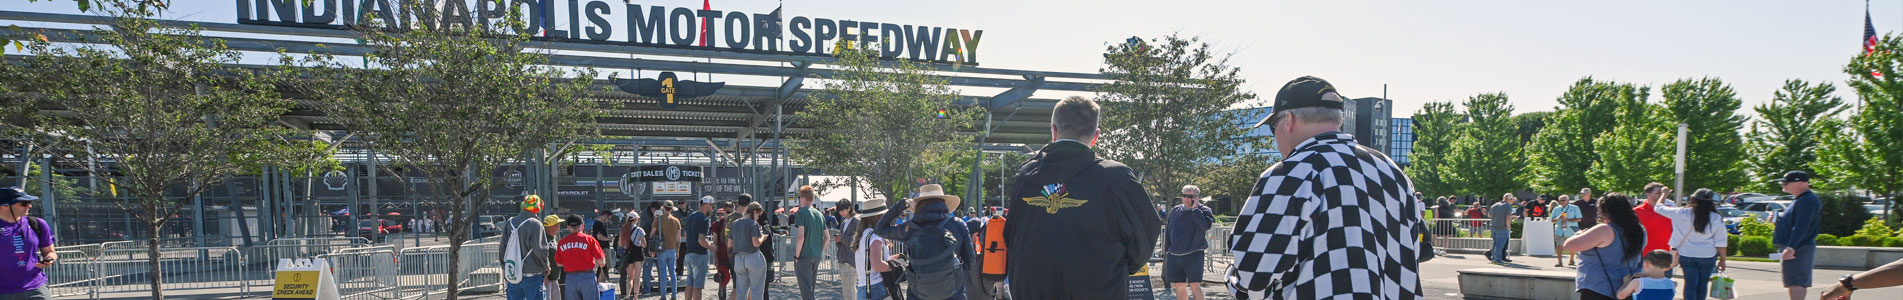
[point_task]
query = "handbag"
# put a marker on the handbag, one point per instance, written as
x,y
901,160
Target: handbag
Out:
x,y
1721,286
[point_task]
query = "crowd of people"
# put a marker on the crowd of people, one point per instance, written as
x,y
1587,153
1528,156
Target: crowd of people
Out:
x,y
1334,219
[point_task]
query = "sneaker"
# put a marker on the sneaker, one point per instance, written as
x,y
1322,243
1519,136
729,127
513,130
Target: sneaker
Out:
x,y
1559,265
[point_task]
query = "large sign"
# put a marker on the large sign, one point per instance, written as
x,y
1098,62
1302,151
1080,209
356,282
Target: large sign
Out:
x,y
668,88
666,173
591,21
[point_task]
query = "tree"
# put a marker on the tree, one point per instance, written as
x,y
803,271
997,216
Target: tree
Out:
x,y
164,108
454,104
1714,150
1786,134
1864,154
1637,151
1167,107
1233,176
875,120
1486,159
1561,153
1529,124
1434,130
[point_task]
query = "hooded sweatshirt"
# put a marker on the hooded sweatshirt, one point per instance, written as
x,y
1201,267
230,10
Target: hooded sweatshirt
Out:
x,y
1080,225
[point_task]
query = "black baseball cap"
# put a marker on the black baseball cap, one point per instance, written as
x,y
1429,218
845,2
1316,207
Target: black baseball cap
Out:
x,y
573,220
1304,92
1795,176
11,195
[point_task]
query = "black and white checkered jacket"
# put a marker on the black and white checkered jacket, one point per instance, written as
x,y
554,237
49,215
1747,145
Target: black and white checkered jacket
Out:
x,y
1334,220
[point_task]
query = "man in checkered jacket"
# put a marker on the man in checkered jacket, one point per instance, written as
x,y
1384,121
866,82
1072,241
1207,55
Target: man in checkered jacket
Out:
x,y
1333,220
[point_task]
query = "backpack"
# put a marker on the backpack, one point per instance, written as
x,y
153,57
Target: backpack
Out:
x,y
512,256
933,267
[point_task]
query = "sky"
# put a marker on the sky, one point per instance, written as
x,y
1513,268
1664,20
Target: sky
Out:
x,y
1420,50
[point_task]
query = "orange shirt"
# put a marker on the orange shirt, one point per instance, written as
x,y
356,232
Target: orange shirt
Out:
x,y
577,252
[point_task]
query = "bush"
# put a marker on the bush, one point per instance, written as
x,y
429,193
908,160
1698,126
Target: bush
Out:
x,y
1861,241
1754,227
1826,240
1875,227
1893,242
1755,246
1731,242
1843,214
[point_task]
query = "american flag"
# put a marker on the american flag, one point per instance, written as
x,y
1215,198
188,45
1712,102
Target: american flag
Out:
x,y
1869,39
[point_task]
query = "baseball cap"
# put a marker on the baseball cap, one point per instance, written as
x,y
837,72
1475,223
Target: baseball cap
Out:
x,y
1304,92
11,195
1795,176
574,220
551,221
706,199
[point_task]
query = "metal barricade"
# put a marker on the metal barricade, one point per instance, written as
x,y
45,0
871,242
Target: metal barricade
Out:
x,y
1463,234
264,258
365,273
182,269
76,273
424,271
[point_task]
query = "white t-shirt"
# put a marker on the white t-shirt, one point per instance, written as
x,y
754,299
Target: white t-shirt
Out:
x,y
867,276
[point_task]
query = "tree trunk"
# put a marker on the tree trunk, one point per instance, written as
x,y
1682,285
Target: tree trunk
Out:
x,y
152,259
455,259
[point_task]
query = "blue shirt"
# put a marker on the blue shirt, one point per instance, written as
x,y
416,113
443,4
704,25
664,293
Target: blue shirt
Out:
x,y
691,231
1799,224
1184,234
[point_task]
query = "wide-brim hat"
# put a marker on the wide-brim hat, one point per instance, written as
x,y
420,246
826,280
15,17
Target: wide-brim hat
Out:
x,y
871,207
933,191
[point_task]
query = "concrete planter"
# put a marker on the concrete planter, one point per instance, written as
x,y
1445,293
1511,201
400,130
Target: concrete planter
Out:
x,y
1861,258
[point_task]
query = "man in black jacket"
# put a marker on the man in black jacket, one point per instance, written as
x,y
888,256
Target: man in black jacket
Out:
x,y
1080,224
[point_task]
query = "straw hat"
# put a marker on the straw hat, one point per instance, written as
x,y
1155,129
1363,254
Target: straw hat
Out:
x,y
871,207
933,191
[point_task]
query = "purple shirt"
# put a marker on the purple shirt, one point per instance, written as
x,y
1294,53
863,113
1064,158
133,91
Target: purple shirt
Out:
x,y
20,255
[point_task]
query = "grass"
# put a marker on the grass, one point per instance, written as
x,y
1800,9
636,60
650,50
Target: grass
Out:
x,y
1752,259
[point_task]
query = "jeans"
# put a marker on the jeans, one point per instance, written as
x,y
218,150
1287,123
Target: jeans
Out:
x,y
807,269
581,286
669,282
33,294
1500,245
529,289
696,270
647,275
847,283
1697,275
749,275
872,292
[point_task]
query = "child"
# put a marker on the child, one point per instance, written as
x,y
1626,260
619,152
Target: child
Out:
x,y
1653,285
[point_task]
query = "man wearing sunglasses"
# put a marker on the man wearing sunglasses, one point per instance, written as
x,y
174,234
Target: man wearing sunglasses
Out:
x,y
1185,241
1333,219
22,273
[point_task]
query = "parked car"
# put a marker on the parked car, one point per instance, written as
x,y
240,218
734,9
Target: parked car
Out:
x,y
376,229
1876,210
1733,216
1743,198
1765,209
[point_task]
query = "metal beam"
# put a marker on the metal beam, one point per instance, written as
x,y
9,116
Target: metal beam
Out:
x,y
1017,94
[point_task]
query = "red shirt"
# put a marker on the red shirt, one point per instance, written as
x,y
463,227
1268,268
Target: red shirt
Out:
x,y
577,252
1658,228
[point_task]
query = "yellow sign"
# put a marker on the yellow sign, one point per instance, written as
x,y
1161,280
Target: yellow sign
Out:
x,y
295,285
1145,271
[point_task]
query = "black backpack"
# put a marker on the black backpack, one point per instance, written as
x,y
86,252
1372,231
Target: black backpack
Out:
x,y
933,267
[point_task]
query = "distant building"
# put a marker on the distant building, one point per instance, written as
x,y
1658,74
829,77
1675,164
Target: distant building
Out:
x,y
1249,117
1401,140
1367,119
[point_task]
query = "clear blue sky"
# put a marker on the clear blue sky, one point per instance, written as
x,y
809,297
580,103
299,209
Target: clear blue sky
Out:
x,y
1423,50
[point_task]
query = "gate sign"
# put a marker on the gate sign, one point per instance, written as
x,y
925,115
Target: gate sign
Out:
x,y
667,173
668,88
304,279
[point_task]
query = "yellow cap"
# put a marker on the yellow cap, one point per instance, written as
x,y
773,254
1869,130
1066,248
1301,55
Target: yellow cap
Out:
x,y
551,221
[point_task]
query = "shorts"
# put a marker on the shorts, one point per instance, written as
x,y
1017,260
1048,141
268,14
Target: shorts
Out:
x,y
1183,268
1797,271
696,265
634,254
33,294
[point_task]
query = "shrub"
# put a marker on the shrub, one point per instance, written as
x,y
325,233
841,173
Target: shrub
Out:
x,y
1731,242
1755,246
1826,240
1861,241
1754,227
1893,242
1843,213
1875,227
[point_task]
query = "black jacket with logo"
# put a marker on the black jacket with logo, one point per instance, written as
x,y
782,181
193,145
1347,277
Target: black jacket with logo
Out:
x,y
1080,225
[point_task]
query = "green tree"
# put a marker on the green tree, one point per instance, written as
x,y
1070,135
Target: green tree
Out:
x,y
875,120
1486,159
1233,176
1434,132
1714,150
1555,158
1637,151
1864,153
164,105
1786,134
454,104
1529,124
1167,107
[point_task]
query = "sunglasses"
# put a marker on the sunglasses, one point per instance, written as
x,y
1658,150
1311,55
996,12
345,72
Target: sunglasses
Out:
x,y
1189,195
26,204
